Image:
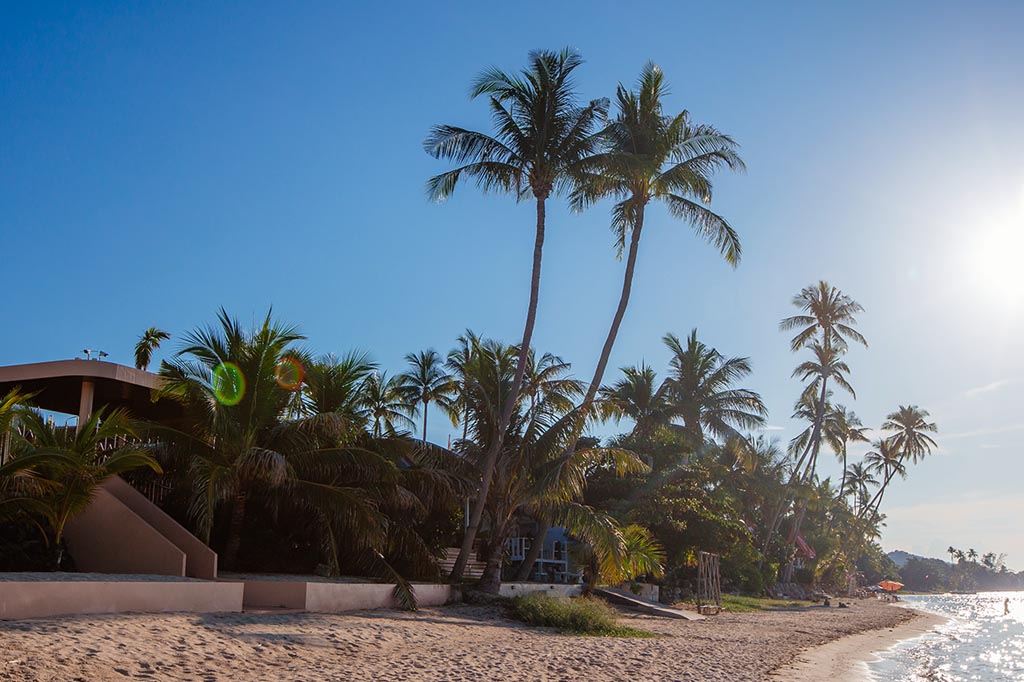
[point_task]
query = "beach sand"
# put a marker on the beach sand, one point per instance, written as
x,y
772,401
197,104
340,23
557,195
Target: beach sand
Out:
x,y
453,643
846,658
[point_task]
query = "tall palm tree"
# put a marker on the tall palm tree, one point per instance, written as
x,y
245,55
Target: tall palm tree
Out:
x,y
859,480
426,382
701,390
148,342
459,359
542,134
951,551
972,555
334,386
827,324
649,156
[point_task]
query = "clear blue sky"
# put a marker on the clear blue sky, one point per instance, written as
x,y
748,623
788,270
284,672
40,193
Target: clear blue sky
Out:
x,y
158,161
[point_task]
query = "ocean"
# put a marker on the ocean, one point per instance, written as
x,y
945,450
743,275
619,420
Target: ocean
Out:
x,y
978,643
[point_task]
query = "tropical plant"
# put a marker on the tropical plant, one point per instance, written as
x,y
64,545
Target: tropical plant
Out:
x,y
649,156
426,381
148,342
541,136
700,389
536,475
73,463
843,427
387,404
637,396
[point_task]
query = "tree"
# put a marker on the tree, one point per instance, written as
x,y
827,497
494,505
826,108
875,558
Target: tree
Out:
x,y
972,555
426,382
542,135
886,460
844,427
649,156
911,428
387,403
79,461
700,390
148,342
951,550
827,325
638,396
536,473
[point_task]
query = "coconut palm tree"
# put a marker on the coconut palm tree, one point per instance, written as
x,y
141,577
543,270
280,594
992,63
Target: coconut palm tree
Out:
x,y
426,382
387,404
638,396
700,388
859,481
335,385
537,474
887,461
951,551
972,555
648,156
911,428
843,427
542,135
148,342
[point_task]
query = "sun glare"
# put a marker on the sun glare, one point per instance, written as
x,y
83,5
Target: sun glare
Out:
x,y
994,261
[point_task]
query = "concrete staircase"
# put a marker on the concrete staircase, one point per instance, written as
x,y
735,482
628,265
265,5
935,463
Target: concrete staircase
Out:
x,y
635,603
474,567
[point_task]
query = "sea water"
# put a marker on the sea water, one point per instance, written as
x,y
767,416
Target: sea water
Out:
x,y
978,642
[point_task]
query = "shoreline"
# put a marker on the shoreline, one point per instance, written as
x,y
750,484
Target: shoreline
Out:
x,y
846,658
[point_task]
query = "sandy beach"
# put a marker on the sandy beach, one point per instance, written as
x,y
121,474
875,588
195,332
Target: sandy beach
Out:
x,y
454,643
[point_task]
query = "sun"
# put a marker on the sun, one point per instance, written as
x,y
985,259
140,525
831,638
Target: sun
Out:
x,y
995,263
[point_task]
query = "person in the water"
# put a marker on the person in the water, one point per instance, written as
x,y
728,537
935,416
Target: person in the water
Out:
x,y
1006,607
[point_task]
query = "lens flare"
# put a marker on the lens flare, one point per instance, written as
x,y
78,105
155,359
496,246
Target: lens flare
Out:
x,y
228,384
289,374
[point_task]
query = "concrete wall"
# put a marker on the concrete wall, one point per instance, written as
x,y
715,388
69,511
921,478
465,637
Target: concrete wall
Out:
x,y
553,589
275,594
339,597
108,537
45,598
200,560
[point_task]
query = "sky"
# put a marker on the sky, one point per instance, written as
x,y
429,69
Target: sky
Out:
x,y
161,160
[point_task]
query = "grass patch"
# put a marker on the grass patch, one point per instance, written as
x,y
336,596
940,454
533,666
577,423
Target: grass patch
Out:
x,y
580,616
738,604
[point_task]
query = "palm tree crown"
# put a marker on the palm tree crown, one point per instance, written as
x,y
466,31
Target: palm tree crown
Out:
x,y
148,342
426,381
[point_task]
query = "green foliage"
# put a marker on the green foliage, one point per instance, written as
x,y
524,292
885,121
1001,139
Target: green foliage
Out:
x,y
741,604
580,616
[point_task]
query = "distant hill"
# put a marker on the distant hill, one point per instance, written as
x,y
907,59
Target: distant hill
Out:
x,y
899,557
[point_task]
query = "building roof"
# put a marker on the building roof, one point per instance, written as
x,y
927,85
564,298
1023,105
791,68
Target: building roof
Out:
x,y
58,387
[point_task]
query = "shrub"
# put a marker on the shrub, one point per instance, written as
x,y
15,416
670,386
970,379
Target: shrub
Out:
x,y
580,616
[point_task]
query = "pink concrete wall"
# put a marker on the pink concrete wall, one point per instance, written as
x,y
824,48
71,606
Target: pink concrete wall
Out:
x,y
42,599
283,594
108,537
200,560
338,597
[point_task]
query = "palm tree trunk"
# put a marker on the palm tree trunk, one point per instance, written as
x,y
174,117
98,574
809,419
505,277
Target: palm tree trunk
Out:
x,y
498,439
532,554
425,404
235,529
595,384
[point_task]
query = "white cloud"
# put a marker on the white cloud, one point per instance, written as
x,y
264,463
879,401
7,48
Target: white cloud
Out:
x,y
987,388
1009,428
772,427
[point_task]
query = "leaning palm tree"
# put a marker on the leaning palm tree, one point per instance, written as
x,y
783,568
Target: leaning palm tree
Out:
x,y
701,390
647,157
859,478
426,381
148,342
887,461
542,135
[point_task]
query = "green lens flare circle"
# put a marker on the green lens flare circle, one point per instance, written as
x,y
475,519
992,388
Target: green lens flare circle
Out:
x,y
228,384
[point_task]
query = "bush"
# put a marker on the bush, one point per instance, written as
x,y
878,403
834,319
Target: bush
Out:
x,y
580,616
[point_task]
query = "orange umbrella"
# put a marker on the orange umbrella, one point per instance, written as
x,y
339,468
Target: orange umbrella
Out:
x,y
890,585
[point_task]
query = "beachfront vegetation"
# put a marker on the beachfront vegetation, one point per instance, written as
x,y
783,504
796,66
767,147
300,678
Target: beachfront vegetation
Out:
x,y
580,616
289,461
